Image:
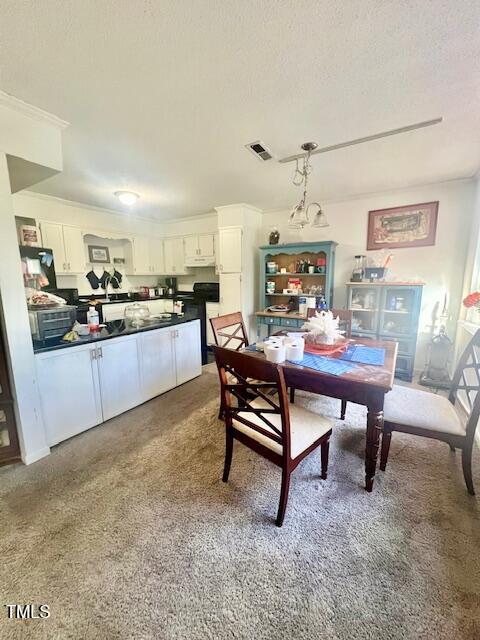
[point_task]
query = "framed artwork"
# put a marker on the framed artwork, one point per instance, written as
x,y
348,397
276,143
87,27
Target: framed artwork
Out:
x,y
413,225
98,254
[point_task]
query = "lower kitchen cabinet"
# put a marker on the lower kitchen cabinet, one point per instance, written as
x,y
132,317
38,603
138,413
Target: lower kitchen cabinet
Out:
x,y
157,355
188,358
70,391
82,386
119,369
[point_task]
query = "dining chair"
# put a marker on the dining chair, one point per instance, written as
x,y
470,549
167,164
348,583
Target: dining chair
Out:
x,y
345,317
265,423
229,331
430,415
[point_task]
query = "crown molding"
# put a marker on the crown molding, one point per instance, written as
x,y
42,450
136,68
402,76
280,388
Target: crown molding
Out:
x,y
7,100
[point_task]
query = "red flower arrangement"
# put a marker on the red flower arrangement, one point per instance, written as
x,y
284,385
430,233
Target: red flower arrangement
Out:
x,y
472,300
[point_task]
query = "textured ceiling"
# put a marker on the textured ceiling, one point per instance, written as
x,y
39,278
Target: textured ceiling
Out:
x,y
162,96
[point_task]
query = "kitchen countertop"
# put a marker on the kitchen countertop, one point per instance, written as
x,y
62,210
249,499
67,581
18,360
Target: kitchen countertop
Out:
x,y
115,329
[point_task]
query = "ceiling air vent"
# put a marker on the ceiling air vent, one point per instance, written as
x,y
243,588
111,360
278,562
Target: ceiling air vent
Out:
x,y
260,150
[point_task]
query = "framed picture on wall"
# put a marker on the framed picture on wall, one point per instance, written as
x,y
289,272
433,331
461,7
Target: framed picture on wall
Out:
x,y
98,254
413,225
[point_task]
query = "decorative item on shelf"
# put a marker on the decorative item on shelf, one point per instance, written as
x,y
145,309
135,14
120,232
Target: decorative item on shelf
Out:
x,y
299,217
270,287
398,227
272,267
321,265
322,330
274,236
294,285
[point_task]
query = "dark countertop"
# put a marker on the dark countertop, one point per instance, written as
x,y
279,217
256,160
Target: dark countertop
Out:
x,y
115,329
124,298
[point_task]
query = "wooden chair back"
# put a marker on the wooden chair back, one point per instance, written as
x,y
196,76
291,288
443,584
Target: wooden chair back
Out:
x,y
466,384
345,317
229,331
253,386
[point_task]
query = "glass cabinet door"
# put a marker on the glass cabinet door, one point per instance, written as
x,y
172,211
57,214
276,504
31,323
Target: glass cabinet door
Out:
x,y
398,311
364,302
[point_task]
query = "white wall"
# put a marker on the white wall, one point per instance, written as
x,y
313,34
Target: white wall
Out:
x,y
441,267
30,205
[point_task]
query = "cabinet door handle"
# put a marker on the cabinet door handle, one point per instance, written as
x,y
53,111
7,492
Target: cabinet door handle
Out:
x,y
100,352
64,266
93,354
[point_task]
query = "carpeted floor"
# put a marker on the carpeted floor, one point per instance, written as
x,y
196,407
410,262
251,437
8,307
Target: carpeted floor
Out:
x,y
127,531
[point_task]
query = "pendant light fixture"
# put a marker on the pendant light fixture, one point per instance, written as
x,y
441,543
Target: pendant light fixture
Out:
x,y
299,216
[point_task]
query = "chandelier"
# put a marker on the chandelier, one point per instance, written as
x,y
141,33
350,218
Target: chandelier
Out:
x,y
299,217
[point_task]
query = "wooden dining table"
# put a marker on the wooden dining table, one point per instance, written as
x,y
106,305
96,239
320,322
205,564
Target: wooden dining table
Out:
x,y
362,384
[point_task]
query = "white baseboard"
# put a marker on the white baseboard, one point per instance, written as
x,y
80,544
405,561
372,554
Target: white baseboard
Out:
x,y
36,455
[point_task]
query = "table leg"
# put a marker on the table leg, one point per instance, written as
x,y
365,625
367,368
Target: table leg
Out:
x,y
374,430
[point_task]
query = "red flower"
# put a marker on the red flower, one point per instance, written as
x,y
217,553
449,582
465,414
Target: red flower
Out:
x,y
472,300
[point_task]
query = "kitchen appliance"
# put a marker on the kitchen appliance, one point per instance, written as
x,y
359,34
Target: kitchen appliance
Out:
x,y
171,284
375,273
38,267
358,270
51,323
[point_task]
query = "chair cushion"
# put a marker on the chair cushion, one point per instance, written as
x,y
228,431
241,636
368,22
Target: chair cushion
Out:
x,y
305,428
414,408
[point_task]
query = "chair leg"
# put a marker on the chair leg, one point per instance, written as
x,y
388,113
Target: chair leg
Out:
x,y
343,410
386,437
467,468
452,448
325,446
228,454
292,395
221,412
283,497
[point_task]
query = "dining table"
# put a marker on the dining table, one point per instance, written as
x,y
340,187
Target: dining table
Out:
x,y
364,384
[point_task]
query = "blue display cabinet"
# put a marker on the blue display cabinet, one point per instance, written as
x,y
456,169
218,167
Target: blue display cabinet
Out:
x,y
289,258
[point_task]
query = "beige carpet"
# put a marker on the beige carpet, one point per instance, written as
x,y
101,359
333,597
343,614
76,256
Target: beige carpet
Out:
x,y
127,531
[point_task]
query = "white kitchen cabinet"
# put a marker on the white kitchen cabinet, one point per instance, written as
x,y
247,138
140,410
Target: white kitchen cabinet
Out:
x,y
157,256
174,252
74,249
230,250
200,250
52,238
83,385
69,391
147,256
157,358
212,310
230,293
141,256
188,353
67,245
119,370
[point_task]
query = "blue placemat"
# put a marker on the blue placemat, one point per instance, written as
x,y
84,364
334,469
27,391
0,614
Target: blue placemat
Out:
x,y
326,365
364,355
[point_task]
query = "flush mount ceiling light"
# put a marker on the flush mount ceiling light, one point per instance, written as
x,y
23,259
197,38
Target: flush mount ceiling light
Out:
x,y
127,197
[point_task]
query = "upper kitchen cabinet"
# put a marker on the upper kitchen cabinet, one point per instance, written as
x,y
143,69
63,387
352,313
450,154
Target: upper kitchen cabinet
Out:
x,y
174,253
147,256
230,250
200,250
67,245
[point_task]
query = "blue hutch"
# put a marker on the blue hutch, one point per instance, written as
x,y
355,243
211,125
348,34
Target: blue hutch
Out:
x,y
312,263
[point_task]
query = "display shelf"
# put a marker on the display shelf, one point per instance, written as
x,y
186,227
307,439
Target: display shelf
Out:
x,y
287,256
383,323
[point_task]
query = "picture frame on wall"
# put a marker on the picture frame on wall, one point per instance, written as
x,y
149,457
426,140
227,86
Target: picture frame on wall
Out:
x,y
98,254
412,225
